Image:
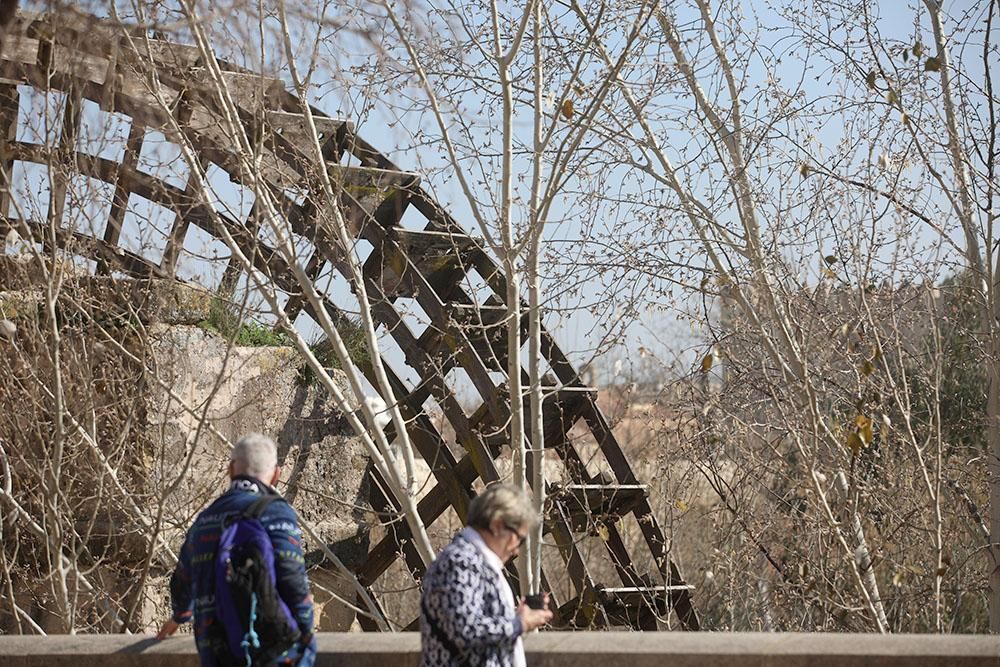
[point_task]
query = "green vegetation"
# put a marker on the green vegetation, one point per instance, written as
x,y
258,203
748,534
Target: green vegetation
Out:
x,y
961,396
354,339
225,321
252,334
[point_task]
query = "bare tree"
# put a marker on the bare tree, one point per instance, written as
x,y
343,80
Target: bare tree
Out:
x,y
809,239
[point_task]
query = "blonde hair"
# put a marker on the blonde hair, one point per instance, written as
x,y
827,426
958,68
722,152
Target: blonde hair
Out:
x,y
502,501
256,455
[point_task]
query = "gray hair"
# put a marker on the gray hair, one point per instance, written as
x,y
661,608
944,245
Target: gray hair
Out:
x,y
255,455
505,502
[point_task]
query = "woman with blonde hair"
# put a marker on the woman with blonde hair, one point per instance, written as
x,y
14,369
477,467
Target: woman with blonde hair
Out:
x,y
468,615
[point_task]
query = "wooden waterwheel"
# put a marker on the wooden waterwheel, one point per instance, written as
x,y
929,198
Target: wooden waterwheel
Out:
x,y
144,86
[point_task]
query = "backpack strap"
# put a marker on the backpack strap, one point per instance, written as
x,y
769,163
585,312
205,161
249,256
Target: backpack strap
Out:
x,y
257,507
254,510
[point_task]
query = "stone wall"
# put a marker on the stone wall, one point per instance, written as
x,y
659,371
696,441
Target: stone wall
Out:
x,y
556,649
156,395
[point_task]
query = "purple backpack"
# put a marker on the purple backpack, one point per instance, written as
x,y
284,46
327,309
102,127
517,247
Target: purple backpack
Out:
x,y
256,622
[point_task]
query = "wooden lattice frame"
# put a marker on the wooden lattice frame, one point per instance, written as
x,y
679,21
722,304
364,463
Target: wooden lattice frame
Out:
x,y
90,60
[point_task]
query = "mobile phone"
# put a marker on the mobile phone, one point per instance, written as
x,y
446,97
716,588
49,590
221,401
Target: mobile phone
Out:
x,y
536,601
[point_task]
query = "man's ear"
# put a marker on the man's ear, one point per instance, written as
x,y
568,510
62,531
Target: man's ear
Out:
x,y
232,470
276,476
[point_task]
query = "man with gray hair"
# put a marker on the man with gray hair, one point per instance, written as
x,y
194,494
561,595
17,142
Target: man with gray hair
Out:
x,y
253,472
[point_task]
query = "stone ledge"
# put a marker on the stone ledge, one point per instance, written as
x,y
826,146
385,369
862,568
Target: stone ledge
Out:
x,y
552,649
104,297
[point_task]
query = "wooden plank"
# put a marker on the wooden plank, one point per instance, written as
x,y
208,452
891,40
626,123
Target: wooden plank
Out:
x,y
417,358
295,142
8,130
575,565
175,239
652,534
164,55
620,556
608,444
119,200
442,258
469,328
368,624
383,503
431,506
361,191
558,361
366,153
583,503
297,300
18,47
67,147
439,219
88,246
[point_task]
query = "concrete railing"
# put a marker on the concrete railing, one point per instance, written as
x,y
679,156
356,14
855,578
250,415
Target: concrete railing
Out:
x,y
550,649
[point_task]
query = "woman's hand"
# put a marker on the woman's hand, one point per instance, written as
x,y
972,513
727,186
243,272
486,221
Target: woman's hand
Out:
x,y
532,619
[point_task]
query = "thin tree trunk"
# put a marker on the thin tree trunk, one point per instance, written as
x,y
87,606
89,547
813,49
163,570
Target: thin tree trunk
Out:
x,y
964,211
536,461
508,260
993,437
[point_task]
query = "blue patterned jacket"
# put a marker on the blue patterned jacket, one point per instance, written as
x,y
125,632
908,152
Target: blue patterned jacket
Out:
x,y
461,594
193,580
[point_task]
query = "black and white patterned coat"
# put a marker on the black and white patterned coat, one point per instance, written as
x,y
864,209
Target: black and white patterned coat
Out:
x,y
462,595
